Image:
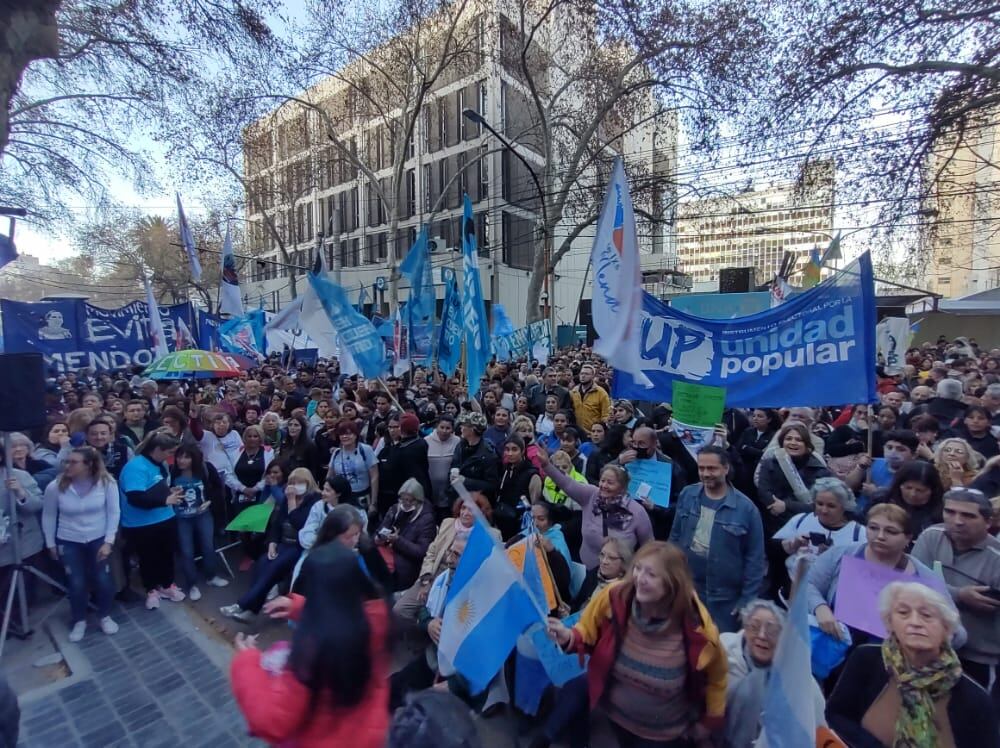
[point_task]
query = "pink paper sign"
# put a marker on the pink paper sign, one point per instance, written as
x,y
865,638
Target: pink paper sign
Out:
x,y
859,586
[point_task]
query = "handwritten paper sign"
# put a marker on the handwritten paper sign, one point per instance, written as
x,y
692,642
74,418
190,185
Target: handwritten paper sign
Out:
x,y
698,404
859,586
650,479
559,666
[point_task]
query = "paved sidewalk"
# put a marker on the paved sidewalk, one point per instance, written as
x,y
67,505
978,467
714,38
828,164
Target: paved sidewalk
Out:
x,y
158,682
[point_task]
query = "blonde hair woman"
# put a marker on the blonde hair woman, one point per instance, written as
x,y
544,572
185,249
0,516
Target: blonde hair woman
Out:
x,y
657,668
957,463
80,517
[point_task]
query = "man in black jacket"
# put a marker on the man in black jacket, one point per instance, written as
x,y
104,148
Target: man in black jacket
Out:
x,y
474,459
549,386
401,459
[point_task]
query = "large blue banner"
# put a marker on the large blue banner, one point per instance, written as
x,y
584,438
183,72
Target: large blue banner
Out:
x,y
818,348
75,335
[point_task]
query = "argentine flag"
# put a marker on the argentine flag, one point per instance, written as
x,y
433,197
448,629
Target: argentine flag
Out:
x,y
790,718
487,608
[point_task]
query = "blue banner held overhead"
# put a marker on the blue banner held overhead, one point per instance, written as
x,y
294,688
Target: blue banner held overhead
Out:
x,y
72,334
818,347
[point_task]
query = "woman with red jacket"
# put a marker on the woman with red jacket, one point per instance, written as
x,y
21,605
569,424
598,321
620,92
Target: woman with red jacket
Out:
x,y
656,668
331,687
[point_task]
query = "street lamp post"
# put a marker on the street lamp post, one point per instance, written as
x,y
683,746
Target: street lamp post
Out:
x,y
548,294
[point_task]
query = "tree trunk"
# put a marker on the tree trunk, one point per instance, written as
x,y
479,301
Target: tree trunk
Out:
x,y
28,32
533,309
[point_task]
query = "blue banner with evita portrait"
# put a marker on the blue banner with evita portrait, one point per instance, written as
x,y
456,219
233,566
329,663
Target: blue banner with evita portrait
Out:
x,y
72,334
817,348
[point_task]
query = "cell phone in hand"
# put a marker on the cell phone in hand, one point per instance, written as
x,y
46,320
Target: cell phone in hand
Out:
x,y
818,538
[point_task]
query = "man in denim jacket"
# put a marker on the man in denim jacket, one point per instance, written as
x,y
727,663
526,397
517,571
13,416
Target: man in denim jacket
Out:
x,y
721,532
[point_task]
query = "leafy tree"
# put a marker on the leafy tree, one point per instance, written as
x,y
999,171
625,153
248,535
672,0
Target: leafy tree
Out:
x,y
81,81
895,90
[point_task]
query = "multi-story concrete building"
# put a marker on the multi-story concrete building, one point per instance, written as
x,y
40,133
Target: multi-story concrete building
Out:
x,y
962,242
297,180
755,228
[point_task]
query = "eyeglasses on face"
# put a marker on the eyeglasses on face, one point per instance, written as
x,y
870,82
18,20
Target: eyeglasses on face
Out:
x,y
768,628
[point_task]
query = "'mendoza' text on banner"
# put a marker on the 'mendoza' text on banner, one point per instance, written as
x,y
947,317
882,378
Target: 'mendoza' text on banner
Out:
x,y
73,335
817,347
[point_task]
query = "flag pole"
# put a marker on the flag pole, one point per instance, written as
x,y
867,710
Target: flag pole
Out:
x,y
385,388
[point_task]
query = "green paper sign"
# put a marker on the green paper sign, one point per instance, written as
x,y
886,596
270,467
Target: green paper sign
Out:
x,y
698,404
252,519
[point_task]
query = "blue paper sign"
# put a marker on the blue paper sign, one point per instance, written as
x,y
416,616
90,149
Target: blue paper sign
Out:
x,y
658,475
72,334
559,666
816,348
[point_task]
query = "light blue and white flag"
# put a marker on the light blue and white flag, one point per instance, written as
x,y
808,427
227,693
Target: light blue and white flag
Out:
x,y
789,719
417,269
288,317
187,240
449,344
617,293
244,335
503,328
362,299
477,329
487,608
229,282
157,337
355,333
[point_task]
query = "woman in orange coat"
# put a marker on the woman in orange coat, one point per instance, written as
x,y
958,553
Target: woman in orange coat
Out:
x,y
331,687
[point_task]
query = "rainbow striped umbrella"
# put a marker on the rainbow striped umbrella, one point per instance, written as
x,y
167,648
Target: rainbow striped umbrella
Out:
x,y
193,364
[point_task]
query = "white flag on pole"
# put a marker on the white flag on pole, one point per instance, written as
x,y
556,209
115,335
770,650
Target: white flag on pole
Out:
x,y
157,338
617,291
229,283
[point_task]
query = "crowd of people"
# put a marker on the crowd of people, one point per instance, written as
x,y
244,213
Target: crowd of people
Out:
x,y
681,598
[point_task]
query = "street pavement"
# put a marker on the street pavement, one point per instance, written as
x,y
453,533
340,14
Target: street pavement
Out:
x,y
162,680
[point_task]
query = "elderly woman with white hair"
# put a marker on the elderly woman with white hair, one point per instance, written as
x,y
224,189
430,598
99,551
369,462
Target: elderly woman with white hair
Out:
x,y
909,691
808,534
406,533
750,653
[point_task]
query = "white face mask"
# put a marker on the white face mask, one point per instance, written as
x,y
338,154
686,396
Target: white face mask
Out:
x,y
296,488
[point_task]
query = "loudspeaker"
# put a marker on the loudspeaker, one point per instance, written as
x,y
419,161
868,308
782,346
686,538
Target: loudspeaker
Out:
x,y
22,391
737,280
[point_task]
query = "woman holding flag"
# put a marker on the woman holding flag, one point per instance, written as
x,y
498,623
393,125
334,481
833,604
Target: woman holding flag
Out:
x,y
657,668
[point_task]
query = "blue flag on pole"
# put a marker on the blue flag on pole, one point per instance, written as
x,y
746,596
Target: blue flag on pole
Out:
x,y
356,334
417,269
362,299
187,240
818,346
449,344
477,331
503,328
